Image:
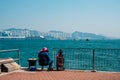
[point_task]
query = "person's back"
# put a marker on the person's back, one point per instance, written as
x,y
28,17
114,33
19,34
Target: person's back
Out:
x,y
44,59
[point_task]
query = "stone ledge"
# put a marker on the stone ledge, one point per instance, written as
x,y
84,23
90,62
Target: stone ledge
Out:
x,y
6,60
8,64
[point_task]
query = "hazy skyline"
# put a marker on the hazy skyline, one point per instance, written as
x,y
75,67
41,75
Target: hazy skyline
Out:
x,y
92,16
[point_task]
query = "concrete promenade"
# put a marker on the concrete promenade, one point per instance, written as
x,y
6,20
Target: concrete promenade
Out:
x,y
59,75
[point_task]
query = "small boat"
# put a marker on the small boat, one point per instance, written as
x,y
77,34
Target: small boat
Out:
x,y
87,39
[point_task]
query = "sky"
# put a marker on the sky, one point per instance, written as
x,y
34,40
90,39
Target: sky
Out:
x,y
91,16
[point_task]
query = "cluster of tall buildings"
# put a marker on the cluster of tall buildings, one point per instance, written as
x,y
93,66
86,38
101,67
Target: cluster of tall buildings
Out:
x,y
26,33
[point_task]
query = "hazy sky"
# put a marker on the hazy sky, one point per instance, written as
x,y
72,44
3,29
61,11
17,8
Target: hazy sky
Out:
x,y
92,16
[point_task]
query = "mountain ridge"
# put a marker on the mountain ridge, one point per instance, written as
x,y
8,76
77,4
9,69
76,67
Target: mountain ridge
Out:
x,y
52,34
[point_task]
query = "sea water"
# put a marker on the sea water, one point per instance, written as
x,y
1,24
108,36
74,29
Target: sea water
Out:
x,y
30,48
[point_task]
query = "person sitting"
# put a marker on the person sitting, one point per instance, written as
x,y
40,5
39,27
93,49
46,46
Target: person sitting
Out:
x,y
44,59
60,60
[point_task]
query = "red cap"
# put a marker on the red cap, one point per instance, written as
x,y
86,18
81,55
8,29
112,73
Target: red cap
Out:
x,y
44,50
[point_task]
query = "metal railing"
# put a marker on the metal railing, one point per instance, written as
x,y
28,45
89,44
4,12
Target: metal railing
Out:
x,y
81,58
90,59
12,50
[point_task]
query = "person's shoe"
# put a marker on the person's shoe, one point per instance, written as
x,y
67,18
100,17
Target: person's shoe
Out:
x,y
42,69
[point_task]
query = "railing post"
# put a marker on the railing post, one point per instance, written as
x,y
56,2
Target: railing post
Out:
x,y
53,51
93,60
19,57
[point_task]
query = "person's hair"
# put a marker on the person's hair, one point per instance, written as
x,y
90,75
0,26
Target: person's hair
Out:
x,y
60,51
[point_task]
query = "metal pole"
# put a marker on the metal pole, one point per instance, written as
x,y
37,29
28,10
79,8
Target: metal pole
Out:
x,y
53,56
93,60
19,57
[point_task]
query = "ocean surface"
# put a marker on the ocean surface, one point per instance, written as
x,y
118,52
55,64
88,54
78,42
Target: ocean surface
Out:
x,y
30,48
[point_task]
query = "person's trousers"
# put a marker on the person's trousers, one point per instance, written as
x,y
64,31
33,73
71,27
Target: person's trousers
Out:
x,y
50,63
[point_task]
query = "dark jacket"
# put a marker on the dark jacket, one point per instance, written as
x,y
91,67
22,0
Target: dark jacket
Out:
x,y
43,58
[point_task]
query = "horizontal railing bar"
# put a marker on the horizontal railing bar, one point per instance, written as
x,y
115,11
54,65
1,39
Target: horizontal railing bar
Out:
x,y
92,48
16,59
10,50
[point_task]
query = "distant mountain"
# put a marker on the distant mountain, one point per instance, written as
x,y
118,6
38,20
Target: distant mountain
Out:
x,y
80,35
11,29
51,35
